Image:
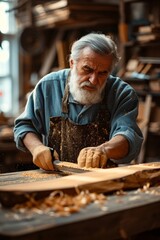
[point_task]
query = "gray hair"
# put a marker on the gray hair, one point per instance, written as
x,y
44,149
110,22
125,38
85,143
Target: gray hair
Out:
x,y
99,43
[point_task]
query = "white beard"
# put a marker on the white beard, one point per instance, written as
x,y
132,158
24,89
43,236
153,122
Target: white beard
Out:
x,y
81,95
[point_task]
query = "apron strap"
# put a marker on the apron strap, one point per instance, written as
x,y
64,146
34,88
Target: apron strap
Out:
x,y
65,97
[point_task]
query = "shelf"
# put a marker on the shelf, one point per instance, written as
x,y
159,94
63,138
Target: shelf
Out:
x,y
132,1
142,56
140,44
146,79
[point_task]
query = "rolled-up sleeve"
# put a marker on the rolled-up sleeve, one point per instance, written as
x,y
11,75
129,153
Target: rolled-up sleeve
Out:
x,y
29,121
124,118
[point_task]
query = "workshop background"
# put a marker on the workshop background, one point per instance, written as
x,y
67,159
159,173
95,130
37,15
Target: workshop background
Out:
x,y
35,39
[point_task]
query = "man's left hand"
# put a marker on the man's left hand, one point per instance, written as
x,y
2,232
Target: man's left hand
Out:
x,y
92,157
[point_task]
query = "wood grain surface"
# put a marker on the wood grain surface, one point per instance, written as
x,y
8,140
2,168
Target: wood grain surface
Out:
x,y
98,180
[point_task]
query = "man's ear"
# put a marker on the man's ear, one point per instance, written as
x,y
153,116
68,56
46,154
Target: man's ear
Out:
x,y
71,63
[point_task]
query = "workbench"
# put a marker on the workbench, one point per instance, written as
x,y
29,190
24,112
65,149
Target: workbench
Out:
x,y
121,216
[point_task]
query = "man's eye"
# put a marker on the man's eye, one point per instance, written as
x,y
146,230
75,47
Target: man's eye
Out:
x,y
87,70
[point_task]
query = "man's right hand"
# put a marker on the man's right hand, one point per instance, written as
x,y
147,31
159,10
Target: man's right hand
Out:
x,y
42,157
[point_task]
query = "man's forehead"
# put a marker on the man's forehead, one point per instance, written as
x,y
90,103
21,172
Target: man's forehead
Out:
x,y
88,53
94,60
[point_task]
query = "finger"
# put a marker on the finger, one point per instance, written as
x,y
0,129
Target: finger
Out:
x,y
44,160
103,161
39,162
96,159
89,157
82,158
48,160
56,156
43,165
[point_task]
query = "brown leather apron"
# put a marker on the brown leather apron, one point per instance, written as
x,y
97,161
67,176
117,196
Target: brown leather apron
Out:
x,y
68,138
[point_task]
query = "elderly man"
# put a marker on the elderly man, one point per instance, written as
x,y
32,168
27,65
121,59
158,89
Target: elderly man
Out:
x,y
84,113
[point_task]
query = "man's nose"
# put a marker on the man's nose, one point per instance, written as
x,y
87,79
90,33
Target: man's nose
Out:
x,y
93,78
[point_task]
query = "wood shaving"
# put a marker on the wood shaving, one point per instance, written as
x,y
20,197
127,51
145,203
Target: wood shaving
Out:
x,y
148,189
121,192
60,203
144,188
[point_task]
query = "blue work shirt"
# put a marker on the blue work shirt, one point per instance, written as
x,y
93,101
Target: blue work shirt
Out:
x,y
45,101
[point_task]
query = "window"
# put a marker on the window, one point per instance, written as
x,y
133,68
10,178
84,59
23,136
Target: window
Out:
x,y
9,62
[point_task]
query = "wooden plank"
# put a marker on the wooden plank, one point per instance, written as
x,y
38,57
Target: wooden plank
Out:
x,y
144,125
48,60
101,180
62,54
89,179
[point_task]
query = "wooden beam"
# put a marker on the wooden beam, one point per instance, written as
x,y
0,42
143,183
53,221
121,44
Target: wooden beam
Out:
x,y
50,56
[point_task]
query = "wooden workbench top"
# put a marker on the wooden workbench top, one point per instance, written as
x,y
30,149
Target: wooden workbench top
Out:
x,y
120,216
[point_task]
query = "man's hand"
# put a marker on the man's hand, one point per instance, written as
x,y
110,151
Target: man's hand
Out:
x,y
42,157
92,157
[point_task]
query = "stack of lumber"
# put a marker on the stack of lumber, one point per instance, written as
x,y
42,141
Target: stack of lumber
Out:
x,y
69,12
148,33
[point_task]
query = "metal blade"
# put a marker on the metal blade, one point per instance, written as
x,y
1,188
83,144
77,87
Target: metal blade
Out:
x,y
68,167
